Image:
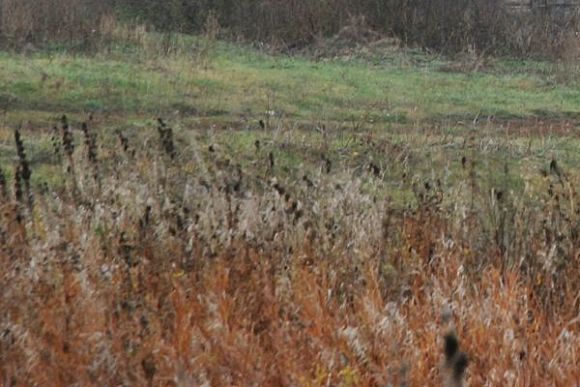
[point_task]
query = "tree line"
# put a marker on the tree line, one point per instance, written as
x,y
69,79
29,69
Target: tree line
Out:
x,y
441,25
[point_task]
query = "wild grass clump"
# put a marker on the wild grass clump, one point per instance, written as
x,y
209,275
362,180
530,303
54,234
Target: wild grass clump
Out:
x,y
208,264
90,141
166,138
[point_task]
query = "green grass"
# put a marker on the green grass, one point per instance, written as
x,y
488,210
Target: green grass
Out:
x,y
244,82
404,101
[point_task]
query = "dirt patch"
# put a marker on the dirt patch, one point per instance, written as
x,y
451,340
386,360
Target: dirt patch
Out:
x,y
356,40
541,127
468,63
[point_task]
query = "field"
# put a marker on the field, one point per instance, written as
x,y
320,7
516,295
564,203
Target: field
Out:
x,y
190,212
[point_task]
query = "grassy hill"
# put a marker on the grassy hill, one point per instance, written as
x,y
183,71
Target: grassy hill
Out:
x,y
204,79
395,94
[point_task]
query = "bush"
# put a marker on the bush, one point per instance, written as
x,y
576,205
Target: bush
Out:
x,y
449,26
38,21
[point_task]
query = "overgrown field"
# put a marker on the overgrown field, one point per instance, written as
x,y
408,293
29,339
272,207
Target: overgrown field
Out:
x,y
237,219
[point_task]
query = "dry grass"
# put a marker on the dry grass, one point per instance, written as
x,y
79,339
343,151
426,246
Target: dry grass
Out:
x,y
157,263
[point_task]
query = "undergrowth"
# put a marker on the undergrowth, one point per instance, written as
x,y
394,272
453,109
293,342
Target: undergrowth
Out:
x,y
160,261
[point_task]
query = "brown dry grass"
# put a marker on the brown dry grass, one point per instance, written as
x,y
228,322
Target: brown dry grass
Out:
x,y
188,270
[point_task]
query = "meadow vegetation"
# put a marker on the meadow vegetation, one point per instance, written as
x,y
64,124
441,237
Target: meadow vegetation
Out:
x,y
178,210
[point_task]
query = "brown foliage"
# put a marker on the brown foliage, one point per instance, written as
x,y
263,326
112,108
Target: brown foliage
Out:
x,y
183,271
